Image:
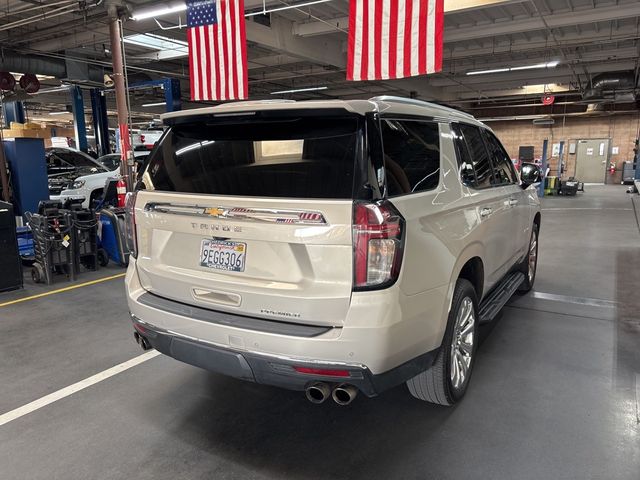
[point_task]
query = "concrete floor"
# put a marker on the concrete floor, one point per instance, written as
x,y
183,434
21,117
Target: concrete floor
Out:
x,y
554,393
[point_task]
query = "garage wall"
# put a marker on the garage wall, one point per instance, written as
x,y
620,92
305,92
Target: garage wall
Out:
x,y
622,129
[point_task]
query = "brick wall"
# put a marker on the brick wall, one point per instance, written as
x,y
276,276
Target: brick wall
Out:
x,y
622,129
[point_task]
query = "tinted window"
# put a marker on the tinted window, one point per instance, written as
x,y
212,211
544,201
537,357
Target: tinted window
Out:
x,y
502,164
303,157
411,155
478,154
111,161
467,175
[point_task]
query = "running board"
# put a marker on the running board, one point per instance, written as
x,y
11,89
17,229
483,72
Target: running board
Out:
x,y
491,306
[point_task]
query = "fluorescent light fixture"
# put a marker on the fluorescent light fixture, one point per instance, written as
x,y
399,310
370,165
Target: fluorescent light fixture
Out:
x,y
169,47
537,65
288,7
181,7
157,104
59,113
38,76
158,12
495,70
296,90
552,64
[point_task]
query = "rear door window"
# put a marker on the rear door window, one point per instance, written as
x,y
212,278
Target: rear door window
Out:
x,y
467,174
478,155
411,155
294,157
504,172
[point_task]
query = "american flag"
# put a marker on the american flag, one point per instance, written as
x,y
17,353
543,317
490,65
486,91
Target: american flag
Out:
x,y
217,49
394,38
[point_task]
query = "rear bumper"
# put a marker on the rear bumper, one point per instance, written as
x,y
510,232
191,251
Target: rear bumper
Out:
x,y
386,338
274,370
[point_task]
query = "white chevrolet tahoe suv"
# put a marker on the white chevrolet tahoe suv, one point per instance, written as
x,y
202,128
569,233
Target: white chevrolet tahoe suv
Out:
x,y
328,246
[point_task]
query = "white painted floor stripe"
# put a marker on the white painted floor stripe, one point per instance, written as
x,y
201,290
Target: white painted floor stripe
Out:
x,y
591,302
76,387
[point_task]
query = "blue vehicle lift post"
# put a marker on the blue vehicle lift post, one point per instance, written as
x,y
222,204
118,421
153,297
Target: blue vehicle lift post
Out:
x,y
100,121
79,126
14,112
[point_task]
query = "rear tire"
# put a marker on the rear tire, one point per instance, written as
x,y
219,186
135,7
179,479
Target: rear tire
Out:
x,y
446,381
529,265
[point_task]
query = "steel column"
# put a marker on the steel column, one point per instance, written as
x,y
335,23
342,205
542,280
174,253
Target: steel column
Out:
x,y
14,112
100,121
545,146
121,100
79,125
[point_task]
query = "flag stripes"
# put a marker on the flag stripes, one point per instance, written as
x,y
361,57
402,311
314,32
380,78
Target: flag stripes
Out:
x,y
394,38
217,50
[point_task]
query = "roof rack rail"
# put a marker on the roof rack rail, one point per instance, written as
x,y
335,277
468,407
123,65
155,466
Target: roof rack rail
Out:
x,y
419,103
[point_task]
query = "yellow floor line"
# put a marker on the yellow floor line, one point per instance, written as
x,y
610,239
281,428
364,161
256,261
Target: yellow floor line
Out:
x,y
60,290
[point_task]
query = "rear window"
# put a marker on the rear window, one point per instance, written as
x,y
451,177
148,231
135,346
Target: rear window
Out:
x,y
303,157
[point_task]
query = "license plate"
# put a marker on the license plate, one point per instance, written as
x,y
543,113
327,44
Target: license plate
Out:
x,y
223,255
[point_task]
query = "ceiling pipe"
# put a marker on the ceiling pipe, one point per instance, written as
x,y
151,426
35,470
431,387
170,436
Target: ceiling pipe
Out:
x,y
14,62
615,82
74,7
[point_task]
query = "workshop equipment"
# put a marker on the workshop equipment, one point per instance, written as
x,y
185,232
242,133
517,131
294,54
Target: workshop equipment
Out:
x,y
10,265
85,237
53,244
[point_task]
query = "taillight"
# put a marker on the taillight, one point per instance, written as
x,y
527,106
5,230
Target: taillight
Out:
x,y
378,236
130,223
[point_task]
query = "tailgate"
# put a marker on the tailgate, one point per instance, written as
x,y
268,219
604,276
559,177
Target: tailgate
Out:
x,y
277,258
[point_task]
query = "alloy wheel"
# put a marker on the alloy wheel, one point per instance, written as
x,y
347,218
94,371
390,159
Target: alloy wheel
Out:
x,y
533,256
462,343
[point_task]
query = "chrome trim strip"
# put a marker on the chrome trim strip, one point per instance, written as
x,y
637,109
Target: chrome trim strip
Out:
x,y
265,215
268,356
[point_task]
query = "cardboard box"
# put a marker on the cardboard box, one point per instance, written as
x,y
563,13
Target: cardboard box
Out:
x,y
32,133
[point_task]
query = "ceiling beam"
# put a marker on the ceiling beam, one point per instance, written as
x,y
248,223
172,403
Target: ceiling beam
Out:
x,y
567,40
573,57
529,77
490,29
279,38
342,23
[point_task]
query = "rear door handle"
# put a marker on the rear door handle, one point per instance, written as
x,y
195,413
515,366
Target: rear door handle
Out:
x,y
485,212
513,202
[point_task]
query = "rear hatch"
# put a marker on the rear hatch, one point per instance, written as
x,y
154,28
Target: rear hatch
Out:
x,y
252,214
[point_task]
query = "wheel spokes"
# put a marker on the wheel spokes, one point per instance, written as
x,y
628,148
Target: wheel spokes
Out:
x,y
462,343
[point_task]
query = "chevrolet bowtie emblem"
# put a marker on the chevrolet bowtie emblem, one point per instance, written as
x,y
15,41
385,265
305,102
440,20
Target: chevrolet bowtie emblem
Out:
x,y
214,212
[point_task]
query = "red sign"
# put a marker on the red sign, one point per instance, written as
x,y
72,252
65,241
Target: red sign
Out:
x,y
548,99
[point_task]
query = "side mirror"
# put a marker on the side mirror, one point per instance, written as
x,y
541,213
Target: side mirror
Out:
x,y
529,174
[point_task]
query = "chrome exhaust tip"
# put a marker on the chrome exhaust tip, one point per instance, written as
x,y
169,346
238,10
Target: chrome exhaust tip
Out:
x,y
344,394
143,342
317,392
